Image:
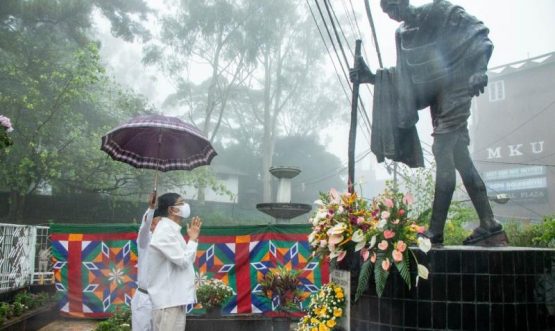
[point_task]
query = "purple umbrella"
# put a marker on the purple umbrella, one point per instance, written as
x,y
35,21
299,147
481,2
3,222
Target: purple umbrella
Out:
x,y
158,142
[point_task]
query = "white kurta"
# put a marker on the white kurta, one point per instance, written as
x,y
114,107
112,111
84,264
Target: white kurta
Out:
x,y
141,307
170,268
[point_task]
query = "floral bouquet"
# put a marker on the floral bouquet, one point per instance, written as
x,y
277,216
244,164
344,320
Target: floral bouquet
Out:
x,y
381,231
283,288
213,293
5,128
326,307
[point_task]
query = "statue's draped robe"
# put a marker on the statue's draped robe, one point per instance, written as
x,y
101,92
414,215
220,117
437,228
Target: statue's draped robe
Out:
x,y
435,54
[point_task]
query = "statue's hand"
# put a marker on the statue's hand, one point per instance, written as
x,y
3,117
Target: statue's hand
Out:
x,y
361,73
477,82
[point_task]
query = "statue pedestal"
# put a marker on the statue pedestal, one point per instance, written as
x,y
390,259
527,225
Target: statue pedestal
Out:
x,y
470,288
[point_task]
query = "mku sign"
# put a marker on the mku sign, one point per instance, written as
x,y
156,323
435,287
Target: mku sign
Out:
x,y
535,147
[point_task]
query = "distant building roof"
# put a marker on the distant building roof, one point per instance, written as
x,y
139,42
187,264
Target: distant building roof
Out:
x,y
522,65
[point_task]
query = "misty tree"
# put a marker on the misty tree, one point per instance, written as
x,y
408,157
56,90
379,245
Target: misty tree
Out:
x,y
51,89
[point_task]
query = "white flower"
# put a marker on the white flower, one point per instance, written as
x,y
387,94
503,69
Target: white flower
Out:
x,y
337,229
372,242
358,236
360,245
319,202
424,244
422,273
381,224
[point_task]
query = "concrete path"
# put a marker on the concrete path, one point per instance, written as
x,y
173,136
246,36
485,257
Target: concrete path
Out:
x,y
66,324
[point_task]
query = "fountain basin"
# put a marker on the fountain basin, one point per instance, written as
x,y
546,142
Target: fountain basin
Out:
x,y
283,211
285,171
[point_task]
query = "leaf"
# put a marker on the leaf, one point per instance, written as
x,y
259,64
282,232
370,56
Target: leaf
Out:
x,y
403,268
363,279
380,276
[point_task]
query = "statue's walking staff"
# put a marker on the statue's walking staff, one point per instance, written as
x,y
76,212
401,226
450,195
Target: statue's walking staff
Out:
x,y
353,128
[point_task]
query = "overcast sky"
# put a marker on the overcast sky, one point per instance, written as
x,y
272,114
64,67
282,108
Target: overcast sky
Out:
x,y
519,29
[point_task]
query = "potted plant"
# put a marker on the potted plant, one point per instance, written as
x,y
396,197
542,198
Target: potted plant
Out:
x,y
327,307
381,230
283,288
212,294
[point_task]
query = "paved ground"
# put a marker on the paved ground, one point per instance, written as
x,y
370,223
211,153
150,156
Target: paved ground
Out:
x,y
70,325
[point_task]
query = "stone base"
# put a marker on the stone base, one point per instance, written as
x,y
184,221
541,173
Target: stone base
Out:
x,y
469,288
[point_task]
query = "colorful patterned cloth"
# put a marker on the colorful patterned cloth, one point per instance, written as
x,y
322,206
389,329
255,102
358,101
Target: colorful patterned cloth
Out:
x,y
95,266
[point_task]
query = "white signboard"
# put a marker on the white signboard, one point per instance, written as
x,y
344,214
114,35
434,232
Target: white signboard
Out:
x,y
343,278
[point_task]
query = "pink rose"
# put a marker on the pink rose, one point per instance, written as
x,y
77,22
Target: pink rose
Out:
x,y
385,215
388,203
397,256
401,246
388,234
386,264
383,245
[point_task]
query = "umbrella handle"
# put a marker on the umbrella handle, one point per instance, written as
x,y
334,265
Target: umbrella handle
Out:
x,y
155,181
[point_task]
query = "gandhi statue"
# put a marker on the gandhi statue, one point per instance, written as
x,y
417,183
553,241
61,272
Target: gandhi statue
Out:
x,y
442,58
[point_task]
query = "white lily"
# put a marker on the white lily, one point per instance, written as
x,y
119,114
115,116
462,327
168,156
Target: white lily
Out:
x,y
337,229
424,244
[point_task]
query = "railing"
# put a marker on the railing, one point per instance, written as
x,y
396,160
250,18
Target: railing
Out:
x,y
24,256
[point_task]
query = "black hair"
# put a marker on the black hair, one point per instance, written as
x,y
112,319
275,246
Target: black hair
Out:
x,y
156,213
165,201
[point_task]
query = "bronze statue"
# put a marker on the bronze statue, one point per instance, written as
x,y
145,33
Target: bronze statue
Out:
x,y
442,57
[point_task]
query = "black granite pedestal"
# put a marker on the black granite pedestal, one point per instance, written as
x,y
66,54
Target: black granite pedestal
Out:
x,y
469,288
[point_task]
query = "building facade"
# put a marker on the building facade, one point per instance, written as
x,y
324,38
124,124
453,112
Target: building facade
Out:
x,y
513,137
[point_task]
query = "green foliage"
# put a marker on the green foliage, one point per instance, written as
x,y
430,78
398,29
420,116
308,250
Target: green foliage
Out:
x,y
285,284
420,183
23,302
380,275
120,321
531,235
363,278
213,293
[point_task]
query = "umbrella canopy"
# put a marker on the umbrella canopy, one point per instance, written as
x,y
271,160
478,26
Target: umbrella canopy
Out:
x,y
158,142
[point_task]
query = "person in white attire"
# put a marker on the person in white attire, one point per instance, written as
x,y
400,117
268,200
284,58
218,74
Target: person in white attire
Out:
x,y
141,307
170,267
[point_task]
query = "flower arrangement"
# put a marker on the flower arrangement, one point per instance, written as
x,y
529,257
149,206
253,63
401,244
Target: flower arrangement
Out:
x,y
283,288
326,308
6,127
380,230
213,293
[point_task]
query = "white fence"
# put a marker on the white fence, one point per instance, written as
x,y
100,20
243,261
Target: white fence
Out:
x,y
24,256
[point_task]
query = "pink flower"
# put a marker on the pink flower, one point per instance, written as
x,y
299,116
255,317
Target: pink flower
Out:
x,y
5,122
388,234
401,212
341,255
365,254
401,246
421,229
373,257
408,199
334,196
386,264
385,215
397,256
360,220
383,245
388,203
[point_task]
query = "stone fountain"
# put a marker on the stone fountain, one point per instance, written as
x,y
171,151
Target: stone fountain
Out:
x,y
283,210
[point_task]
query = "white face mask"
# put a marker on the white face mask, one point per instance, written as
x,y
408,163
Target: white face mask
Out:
x,y
184,210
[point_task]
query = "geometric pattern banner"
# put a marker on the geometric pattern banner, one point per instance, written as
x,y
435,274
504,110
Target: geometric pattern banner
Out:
x,y
94,272
95,267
